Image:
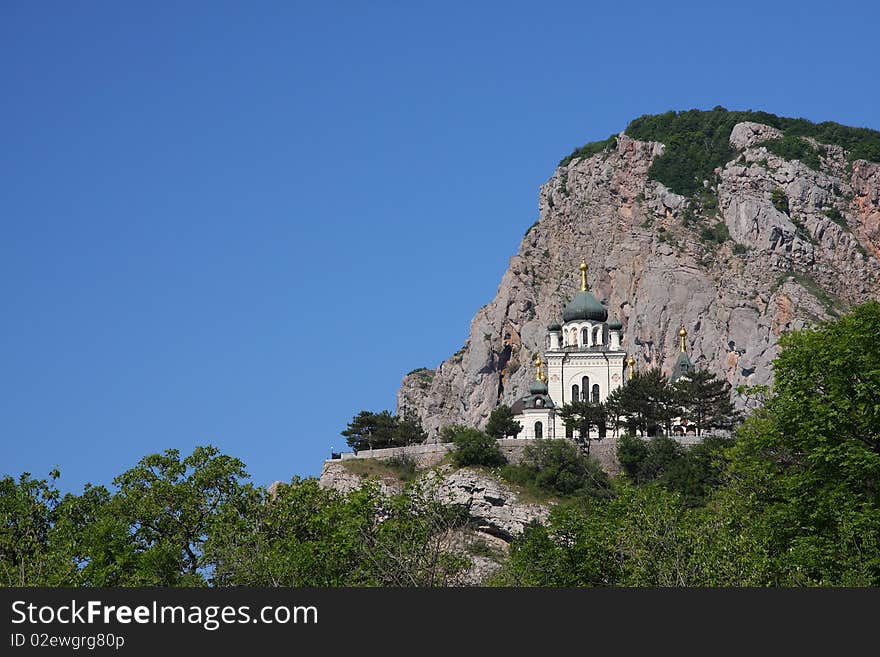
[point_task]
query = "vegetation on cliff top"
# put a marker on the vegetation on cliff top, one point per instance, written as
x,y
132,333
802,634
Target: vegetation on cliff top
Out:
x,y
590,149
697,142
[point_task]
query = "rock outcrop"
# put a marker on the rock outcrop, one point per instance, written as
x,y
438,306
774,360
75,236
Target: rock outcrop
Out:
x,y
495,508
804,247
497,512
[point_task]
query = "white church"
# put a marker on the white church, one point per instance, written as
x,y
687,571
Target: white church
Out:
x,y
584,362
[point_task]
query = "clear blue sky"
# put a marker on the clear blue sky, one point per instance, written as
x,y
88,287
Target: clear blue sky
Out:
x,y
239,223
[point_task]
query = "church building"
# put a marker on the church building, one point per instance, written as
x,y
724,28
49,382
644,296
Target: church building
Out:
x,y
584,362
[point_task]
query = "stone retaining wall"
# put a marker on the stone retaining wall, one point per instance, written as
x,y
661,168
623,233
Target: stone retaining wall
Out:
x,y
428,455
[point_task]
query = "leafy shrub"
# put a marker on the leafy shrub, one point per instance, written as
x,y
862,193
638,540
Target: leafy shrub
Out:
x,y
740,249
693,472
837,217
473,447
718,233
558,467
794,148
405,466
501,423
779,200
590,149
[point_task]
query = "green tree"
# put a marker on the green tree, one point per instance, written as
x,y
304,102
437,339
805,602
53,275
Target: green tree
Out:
x,y
296,534
300,534
408,541
558,467
808,463
368,430
473,447
699,471
632,451
705,401
408,431
95,538
648,460
646,403
501,423
169,504
27,513
639,536
583,417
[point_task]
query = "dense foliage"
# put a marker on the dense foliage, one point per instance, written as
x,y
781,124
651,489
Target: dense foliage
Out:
x,y
697,142
558,467
303,535
501,423
693,472
473,447
590,149
790,147
196,521
584,417
368,430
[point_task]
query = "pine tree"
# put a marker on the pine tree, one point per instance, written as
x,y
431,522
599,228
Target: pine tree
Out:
x,y
646,403
501,423
705,401
368,430
583,417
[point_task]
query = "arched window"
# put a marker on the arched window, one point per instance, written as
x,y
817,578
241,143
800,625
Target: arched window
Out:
x,y
573,339
585,387
539,430
575,393
597,336
595,393
585,337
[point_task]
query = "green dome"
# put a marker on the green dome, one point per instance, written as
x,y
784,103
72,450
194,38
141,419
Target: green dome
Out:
x,y
538,388
615,325
585,306
555,326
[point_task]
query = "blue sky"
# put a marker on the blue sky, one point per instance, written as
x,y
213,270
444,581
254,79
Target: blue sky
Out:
x,y
239,223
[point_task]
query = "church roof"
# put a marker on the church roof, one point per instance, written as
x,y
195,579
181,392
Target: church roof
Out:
x,y
538,388
585,306
615,325
530,401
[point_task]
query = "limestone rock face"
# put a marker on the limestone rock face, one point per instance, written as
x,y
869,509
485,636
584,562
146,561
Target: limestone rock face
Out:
x,y
866,187
335,475
495,507
804,247
747,134
497,513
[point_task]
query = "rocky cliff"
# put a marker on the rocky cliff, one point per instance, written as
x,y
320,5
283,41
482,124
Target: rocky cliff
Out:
x,y
769,244
498,514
